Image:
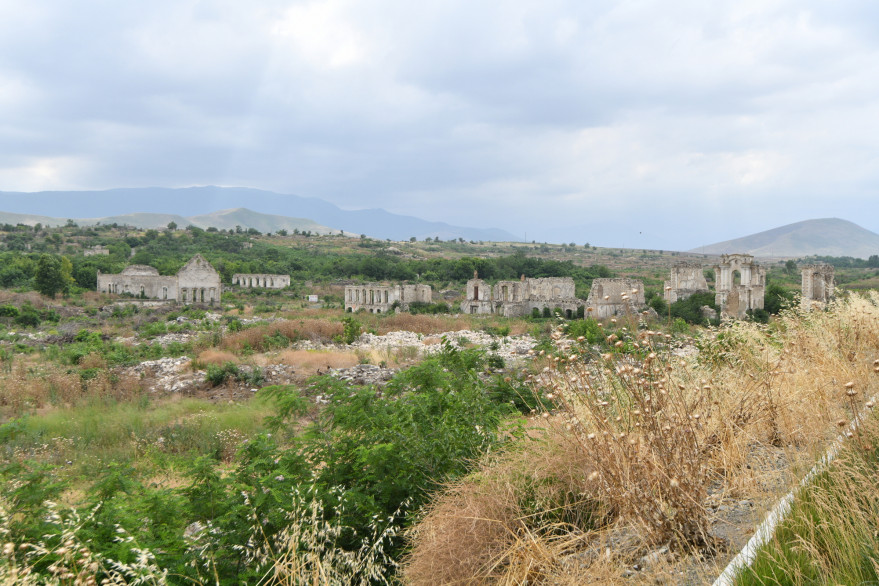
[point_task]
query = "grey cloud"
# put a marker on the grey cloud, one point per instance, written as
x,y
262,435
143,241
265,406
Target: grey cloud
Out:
x,y
622,119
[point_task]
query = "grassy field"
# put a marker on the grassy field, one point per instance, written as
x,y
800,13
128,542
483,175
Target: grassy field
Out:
x,y
207,444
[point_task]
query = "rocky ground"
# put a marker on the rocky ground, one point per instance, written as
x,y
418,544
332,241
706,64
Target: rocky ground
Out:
x,y
176,375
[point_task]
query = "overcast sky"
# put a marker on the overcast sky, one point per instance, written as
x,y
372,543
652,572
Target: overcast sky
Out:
x,y
621,123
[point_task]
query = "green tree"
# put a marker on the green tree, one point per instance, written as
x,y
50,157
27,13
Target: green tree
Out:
x,y
172,226
790,267
776,298
49,277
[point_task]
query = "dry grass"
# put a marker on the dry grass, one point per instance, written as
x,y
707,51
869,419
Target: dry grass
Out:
x,y
648,439
418,323
214,356
317,330
32,297
29,386
93,360
519,519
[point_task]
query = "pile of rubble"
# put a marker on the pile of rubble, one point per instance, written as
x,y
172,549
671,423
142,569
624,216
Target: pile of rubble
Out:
x,y
364,374
510,348
166,374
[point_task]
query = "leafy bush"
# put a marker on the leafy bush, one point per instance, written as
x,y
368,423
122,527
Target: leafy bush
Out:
x,y
777,298
351,330
417,307
588,328
156,328
8,311
499,331
658,304
690,309
217,375
28,317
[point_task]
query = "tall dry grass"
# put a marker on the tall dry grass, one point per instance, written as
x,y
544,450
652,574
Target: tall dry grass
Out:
x,y
214,356
427,324
28,387
650,436
513,521
310,361
255,338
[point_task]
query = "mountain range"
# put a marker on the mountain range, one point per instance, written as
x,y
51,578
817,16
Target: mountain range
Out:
x,y
821,237
266,211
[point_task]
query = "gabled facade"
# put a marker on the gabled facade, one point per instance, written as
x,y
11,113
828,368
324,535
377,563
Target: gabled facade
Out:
x,y
196,282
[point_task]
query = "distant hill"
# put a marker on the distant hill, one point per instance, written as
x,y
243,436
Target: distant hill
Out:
x,y
824,237
223,219
246,218
197,202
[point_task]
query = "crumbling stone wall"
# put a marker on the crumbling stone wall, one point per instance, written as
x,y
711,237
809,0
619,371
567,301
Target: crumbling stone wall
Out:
x,y
519,298
199,282
196,282
687,279
380,298
817,284
741,285
478,299
264,281
140,281
610,297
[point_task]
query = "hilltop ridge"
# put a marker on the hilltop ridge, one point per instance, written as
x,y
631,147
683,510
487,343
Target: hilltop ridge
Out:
x,y
819,237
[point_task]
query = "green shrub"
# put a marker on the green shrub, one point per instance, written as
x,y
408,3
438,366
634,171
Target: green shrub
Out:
x,y
29,317
690,309
217,375
658,304
8,311
429,308
156,328
588,328
777,298
351,330
499,331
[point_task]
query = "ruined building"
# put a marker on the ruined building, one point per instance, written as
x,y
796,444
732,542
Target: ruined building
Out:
x,y
379,298
610,297
741,285
196,282
818,284
261,281
686,280
519,298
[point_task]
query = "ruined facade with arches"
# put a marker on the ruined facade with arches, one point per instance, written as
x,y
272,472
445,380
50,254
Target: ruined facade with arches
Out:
x,y
196,282
740,285
818,284
381,298
522,297
262,281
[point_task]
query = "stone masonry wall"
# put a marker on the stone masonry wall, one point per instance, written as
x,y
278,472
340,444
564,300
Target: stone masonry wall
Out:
x,y
265,281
